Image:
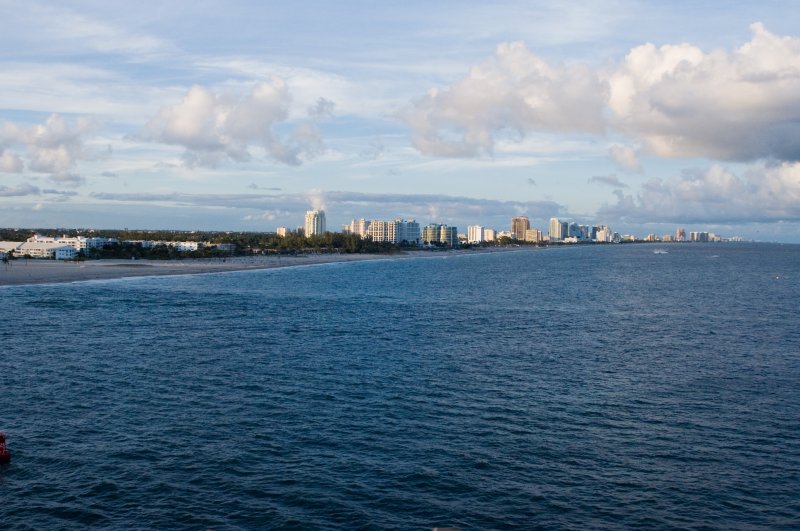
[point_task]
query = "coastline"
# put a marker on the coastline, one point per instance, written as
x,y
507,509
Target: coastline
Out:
x,y
31,272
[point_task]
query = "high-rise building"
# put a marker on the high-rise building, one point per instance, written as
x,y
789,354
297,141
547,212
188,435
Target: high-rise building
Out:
x,y
397,231
449,235
680,235
557,230
315,223
489,235
519,225
359,227
406,231
533,236
603,234
282,231
382,231
435,233
575,231
475,234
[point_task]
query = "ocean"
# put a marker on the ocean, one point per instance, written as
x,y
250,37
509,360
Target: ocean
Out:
x,y
576,387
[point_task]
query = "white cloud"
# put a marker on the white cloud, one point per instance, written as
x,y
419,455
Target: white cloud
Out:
x,y
676,101
269,215
218,127
317,199
625,158
66,30
513,91
762,193
10,162
73,88
53,147
682,102
368,97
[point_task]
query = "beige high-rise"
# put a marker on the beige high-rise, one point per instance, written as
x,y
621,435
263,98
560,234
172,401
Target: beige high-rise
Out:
x,y
519,225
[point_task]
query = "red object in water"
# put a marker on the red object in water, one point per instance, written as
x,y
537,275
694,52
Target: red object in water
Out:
x,y
5,455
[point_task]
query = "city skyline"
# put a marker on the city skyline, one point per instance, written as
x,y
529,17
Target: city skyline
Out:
x,y
643,116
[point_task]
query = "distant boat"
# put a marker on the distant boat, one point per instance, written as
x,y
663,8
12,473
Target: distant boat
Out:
x,y
659,251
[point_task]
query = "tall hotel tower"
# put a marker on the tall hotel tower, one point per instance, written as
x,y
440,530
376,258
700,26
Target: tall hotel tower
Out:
x,y
519,225
557,231
315,222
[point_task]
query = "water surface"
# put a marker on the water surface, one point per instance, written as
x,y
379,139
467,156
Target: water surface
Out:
x,y
602,386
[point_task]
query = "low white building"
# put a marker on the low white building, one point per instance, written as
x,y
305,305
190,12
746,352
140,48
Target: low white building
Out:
x,y
38,249
475,234
79,243
186,246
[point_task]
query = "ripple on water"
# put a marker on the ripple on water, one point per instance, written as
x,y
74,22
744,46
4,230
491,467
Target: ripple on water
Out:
x,y
478,393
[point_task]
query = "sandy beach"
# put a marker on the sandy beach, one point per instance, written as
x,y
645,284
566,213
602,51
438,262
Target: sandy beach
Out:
x,y
21,271
31,271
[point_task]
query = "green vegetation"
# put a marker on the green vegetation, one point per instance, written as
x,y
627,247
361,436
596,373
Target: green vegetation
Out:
x,y
245,243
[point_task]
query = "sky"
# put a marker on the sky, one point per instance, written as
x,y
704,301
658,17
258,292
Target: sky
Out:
x,y
231,115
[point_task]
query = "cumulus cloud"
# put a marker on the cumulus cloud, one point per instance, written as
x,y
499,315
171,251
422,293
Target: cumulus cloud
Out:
x,y
675,101
762,193
215,127
683,102
513,91
10,162
53,147
625,158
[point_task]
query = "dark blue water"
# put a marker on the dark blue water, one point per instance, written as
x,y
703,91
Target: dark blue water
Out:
x,y
591,387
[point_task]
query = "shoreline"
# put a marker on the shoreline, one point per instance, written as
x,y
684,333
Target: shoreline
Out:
x,y
22,272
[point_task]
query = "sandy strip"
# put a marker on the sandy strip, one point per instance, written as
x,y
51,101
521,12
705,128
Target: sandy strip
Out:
x,y
21,271
30,271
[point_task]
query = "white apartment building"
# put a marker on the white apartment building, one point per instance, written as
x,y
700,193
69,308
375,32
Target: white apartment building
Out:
x,y
475,234
315,223
489,235
186,246
397,231
37,249
359,227
179,246
534,236
603,234
79,243
407,231
382,231
558,230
